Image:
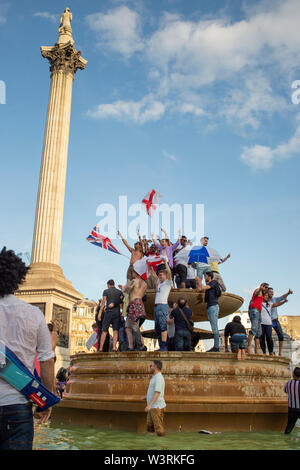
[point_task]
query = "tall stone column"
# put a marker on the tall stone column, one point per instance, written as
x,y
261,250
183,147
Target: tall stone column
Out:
x,y
64,61
46,285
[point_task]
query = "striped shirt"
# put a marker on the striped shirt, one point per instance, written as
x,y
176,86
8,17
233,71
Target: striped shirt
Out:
x,y
292,388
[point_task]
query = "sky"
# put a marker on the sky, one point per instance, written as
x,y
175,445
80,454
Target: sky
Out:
x,y
192,98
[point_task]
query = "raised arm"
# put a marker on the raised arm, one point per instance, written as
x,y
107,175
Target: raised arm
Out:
x,y
155,242
165,233
278,304
169,272
224,259
103,302
153,273
125,242
128,287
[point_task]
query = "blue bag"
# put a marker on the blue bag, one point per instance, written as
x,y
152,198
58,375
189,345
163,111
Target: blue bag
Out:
x,y
13,371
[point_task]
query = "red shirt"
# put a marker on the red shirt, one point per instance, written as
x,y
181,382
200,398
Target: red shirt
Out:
x,y
256,302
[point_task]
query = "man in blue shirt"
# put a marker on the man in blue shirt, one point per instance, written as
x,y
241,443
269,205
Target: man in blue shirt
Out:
x,y
274,315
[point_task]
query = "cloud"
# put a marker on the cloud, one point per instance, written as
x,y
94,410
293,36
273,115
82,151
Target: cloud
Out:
x,y
118,30
170,156
261,157
54,18
235,71
3,9
190,108
140,112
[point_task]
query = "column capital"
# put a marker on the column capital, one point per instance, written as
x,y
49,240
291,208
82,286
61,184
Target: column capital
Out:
x,y
64,57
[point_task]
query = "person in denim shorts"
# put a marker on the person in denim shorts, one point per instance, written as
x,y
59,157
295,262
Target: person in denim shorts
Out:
x,y
161,309
254,312
238,337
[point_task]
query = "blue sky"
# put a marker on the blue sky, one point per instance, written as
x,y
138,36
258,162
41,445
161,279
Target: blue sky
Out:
x,y
190,98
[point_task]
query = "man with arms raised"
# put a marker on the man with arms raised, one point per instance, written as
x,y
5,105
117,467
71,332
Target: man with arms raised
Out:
x,y
136,254
255,307
274,315
161,310
135,310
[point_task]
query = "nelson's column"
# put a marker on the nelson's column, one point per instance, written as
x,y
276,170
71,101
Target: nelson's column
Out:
x,y
46,285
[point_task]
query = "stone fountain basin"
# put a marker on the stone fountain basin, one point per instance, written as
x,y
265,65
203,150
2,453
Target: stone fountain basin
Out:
x,y
229,303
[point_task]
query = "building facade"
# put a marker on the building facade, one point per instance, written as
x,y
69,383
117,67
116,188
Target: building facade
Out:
x,y
83,317
291,325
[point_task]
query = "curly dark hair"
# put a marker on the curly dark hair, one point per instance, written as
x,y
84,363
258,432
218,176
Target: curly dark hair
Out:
x,y
12,272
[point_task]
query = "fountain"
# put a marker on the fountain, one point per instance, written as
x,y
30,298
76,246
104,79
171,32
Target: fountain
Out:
x,y
210,391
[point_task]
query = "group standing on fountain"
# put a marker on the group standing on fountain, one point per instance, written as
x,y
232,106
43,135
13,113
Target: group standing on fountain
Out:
x,y
174,269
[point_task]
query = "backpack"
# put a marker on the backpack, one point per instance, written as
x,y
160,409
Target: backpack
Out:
x,y
218,289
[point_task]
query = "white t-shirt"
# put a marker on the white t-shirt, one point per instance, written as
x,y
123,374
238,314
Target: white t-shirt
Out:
x,y
171,329
24,330
162,291
157,384
266,313
182,256
190,273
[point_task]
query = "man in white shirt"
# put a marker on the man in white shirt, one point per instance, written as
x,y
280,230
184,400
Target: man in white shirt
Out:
x,y
23,329
161,310
266,323
155,400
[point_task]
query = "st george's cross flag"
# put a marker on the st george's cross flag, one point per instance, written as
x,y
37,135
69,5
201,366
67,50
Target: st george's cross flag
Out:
x,y
101,241
150,201
142,266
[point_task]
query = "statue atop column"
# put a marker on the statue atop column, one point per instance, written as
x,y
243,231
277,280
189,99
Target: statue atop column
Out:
x,y
65,29
63,55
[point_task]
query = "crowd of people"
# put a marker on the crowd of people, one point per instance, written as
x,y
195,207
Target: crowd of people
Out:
x,y
173,324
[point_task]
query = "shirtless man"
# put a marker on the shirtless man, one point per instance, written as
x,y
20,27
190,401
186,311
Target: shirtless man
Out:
x,y
136,254
136,288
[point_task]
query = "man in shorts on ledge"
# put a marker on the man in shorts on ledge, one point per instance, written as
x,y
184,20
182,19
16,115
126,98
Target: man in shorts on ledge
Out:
x,y
136,288
112,298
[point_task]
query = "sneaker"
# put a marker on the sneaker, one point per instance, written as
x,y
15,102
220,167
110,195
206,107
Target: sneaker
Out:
x,y
213,350
161,349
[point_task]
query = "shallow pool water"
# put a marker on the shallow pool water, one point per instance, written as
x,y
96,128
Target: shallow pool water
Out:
x,y
55,437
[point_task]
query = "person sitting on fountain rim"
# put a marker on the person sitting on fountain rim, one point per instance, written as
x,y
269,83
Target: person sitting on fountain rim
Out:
x,y
112,299
274,315
161,310
212,293
254,312
135,310
238,337
136,254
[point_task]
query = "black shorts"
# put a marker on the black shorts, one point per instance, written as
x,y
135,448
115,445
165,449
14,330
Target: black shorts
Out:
x,y
190,283
111,318
182,272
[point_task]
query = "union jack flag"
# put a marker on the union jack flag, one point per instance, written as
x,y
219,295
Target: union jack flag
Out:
x,y
102,242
